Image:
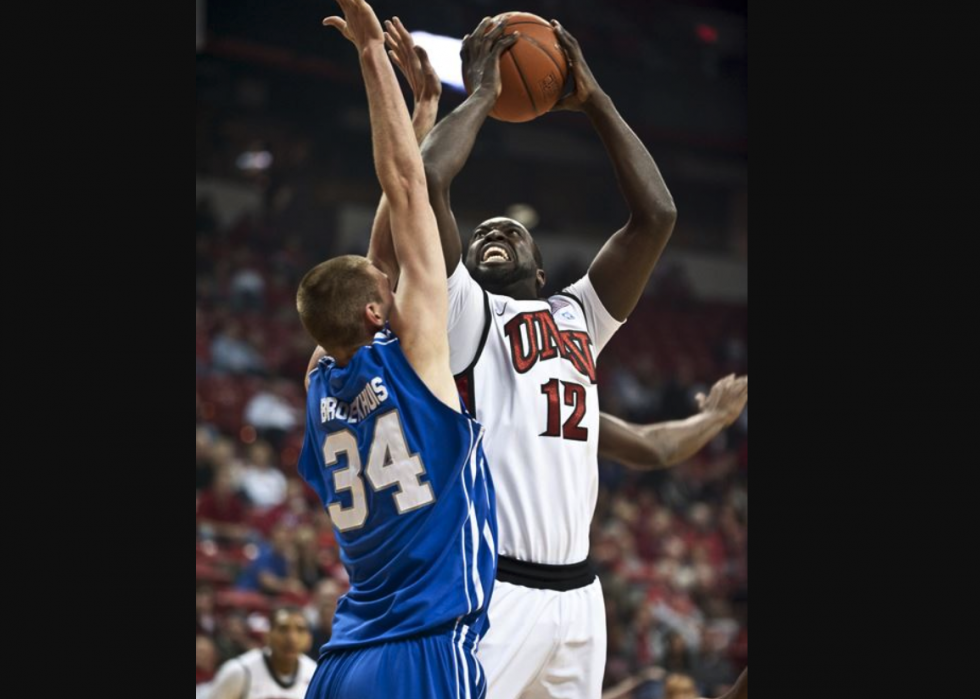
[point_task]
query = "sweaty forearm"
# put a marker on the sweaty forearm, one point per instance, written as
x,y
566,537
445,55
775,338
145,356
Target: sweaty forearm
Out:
x,y
679,440
381,250
639,178
659,445
396,153
448,146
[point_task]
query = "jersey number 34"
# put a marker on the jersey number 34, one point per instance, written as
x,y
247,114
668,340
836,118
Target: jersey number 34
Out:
x,y
389,464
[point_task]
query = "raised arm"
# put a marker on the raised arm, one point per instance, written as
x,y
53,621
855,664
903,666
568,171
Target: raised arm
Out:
x,y
426,88
446,150
396,155
419,309
414,64
664,444
622,268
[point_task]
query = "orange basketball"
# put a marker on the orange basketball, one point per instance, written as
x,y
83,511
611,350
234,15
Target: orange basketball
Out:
x,y
532,71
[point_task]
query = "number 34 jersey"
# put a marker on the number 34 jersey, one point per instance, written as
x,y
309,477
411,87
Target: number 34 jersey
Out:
x,y
405,481
527,371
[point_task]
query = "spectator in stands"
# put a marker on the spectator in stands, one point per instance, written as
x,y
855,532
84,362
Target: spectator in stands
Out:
x,y
280,670
271,413
207,659
262,482
231,354
221,513
272,572
679,686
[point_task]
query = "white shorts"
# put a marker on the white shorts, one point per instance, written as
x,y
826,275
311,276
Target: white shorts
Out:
x,y
545,644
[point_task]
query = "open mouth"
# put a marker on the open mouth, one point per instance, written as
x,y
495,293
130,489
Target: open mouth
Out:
x,y
495,253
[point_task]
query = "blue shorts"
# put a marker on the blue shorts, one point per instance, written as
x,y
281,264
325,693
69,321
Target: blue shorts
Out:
x,y
425,667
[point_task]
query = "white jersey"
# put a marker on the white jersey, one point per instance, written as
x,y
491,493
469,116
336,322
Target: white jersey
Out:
x,y
527,370
249,676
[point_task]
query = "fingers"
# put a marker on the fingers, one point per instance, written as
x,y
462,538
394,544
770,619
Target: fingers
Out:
x,y
395,38
737,384
568,42
494,33
403,33
401,46
563,33
339,23
477,38
427,68
481,28
505,43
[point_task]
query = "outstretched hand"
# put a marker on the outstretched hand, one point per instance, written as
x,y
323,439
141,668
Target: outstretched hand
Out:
x,y
359,25
727,397
412,61
586,86
481,55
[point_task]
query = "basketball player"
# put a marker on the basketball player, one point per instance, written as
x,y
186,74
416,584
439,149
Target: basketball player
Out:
x,y
638,446
389,448
643,447
281,670
527,370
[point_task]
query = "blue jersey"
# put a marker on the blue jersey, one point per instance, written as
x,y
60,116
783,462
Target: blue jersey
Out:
x,y
406,484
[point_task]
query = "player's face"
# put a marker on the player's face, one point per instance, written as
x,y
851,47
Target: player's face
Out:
x,y
290,635
501,252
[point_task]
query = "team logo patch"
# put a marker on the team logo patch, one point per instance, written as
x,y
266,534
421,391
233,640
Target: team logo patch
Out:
x,y
562,308
558,302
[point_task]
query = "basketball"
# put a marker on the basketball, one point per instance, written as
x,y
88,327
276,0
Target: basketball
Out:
x,y
532,71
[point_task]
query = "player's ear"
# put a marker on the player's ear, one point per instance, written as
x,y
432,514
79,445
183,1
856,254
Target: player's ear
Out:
x,y
373,315
541,279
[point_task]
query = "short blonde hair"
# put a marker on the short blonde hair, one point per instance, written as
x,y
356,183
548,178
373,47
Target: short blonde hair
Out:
x,y
332,297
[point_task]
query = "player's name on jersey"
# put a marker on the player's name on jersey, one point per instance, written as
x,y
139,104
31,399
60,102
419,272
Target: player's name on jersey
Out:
x,y
367,401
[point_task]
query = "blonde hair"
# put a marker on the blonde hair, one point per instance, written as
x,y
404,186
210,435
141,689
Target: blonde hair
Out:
x,y
332,297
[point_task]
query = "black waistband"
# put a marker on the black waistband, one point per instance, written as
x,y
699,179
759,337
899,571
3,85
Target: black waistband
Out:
x,y
545,577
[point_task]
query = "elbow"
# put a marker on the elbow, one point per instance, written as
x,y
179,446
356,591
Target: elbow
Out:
x,y
669,212
656,460
435,180
645,458
415,185
659,217
401,190
659,452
